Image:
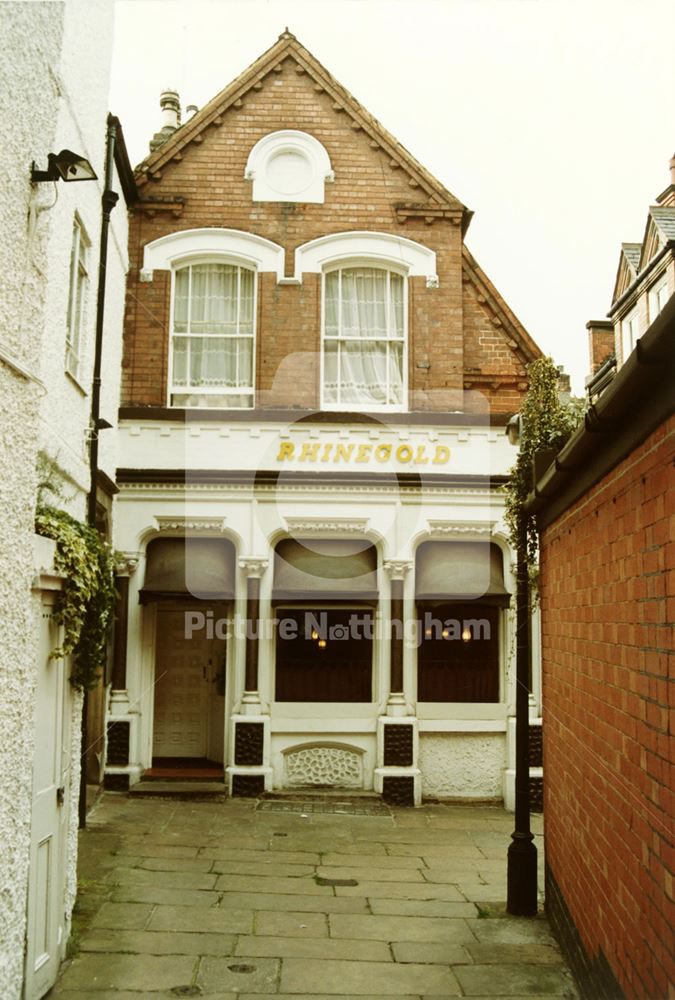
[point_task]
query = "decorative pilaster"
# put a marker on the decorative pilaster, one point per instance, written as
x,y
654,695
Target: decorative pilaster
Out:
x,y
249,773
397,777
396,569
254,569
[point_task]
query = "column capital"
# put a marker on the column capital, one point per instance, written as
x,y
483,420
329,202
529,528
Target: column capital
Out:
x,y
397,569
126,563
253,566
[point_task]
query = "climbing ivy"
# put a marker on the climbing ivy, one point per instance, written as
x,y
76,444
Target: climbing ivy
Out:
x,y
546,422
85,605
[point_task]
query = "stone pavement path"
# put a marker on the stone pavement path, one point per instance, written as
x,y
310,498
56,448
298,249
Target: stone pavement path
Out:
x,y
181,898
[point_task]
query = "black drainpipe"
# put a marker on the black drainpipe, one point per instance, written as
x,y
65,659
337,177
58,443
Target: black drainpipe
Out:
x,y
108,201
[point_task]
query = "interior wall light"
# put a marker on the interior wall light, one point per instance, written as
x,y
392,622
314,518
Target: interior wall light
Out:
x,y
65,166
321,644
466,635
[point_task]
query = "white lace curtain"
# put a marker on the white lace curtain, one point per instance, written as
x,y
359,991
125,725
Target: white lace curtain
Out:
x,y
364,331
213,326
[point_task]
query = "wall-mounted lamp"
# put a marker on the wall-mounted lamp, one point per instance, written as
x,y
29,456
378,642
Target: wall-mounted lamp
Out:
x,y
466,635
512,429
65,166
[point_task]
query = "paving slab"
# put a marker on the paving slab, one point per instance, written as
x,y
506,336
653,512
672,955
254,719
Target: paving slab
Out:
x,y
388,928
422,908
512,930
159,943
323,948
511,980
131,916
434,953
196,920
226,975
163,894
260,857
169,864
93,972
353,859
372,874
303,885
159,879
270,867
362,978
402,890
518,954
150,850
287,924
277,901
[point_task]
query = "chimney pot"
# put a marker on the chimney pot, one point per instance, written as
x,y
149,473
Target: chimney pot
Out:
x,y
169,102
672,170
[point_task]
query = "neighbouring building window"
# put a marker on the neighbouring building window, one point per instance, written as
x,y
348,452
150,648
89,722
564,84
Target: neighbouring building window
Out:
x,y
364,343
212,340
658,296
324,654
630,332
77,297
458,656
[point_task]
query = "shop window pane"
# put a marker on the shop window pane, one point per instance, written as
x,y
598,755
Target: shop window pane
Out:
x,y
453,668
324,655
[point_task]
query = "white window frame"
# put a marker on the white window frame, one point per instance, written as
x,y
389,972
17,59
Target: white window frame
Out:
x,y
630,332
172,390
78,293
655,292
378,265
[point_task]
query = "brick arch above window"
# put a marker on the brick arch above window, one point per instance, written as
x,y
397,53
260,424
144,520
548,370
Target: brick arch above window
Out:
x,y
373,249
232,245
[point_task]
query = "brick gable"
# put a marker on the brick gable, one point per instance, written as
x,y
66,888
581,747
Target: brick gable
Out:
x,y
196,180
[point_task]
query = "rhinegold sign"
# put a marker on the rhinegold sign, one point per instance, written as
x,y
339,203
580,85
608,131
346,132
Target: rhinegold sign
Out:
x,y
339,453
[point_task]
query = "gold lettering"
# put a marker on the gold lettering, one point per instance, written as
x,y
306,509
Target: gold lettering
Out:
x,y
363,454
383,452
441,455
286,450
404,453
309,451
344,452
326,452
420,458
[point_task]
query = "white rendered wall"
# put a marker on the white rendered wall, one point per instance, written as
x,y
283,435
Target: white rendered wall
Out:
x,y
53,95
31,36
81,126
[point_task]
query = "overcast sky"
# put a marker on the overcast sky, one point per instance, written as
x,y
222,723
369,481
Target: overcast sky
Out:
x,y
552,120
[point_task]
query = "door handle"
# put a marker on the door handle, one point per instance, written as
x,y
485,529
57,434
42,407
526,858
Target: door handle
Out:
x,y
60,795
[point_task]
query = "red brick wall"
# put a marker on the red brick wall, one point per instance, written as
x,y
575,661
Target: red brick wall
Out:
x,y
607,596
368,185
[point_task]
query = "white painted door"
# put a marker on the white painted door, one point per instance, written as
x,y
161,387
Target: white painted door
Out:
x,y
51,799
186,690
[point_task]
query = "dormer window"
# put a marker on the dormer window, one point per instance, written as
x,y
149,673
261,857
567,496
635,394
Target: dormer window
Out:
x,y
630,332
364,339
212,339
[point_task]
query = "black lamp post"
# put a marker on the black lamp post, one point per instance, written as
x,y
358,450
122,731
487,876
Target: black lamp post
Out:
x,y
521,895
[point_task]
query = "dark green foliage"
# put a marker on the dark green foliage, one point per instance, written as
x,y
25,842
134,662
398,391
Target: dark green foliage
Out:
x,y
85,605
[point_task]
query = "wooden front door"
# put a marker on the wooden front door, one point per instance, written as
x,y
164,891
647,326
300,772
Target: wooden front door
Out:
x,y
189,703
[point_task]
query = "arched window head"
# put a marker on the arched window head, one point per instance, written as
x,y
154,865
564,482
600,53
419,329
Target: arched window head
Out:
x,y
288,166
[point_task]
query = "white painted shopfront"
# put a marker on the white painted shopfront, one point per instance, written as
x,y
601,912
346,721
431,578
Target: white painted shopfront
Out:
x,y
412,500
